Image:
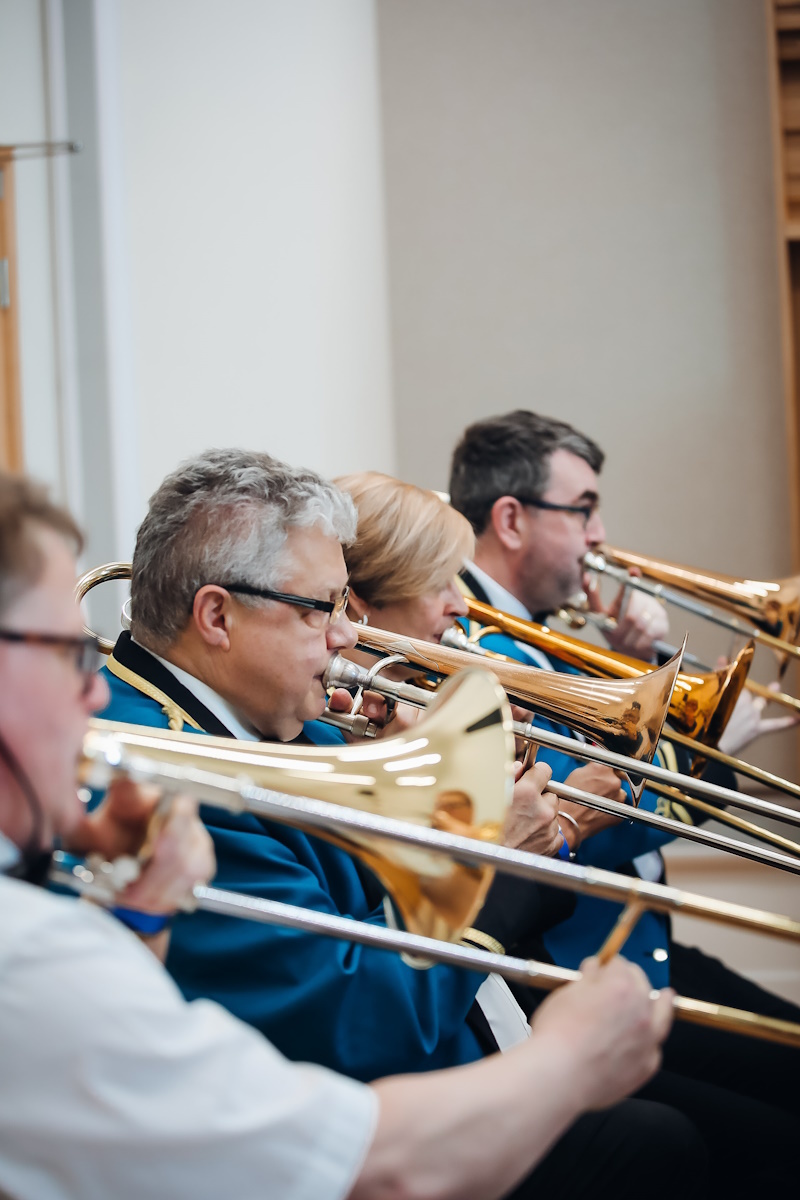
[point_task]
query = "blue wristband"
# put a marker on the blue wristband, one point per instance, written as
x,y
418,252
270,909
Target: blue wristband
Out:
x,y
563,849
142,922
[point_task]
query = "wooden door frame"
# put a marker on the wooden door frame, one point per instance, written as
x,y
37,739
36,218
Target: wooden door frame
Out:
x,y
11,457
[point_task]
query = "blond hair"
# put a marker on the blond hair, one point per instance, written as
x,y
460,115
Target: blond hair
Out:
x,y
409,542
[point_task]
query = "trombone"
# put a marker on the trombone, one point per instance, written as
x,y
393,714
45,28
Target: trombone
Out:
x,y
565,699
701,703
576,616
568,701
396,848
772,609
712,695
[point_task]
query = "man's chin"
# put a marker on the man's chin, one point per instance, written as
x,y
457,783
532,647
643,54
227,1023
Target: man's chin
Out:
x,y
70,818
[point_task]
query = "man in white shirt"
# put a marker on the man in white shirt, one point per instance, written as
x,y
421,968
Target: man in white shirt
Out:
x,y
112,1086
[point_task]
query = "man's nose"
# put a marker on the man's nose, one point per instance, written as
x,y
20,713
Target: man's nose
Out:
x,y
341,635
595,530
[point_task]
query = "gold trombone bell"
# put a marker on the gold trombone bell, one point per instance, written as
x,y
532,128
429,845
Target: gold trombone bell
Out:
x,y
701,702
453,772
772,607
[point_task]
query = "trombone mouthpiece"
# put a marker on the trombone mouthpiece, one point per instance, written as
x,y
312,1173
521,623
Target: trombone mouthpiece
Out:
x,y
593,561
340,672
456,639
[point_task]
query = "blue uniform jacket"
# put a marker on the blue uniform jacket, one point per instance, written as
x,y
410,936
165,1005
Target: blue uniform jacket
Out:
x,y
585,931
361,1011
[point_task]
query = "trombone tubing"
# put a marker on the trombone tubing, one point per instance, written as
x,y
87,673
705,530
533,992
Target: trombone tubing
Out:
x,y
578,618
241,796
789,861
695,747
525,971
420,698
719,841
601,566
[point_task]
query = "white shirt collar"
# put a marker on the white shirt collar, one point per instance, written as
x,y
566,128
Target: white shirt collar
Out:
x,y
212,701
506,602
498,596
9,854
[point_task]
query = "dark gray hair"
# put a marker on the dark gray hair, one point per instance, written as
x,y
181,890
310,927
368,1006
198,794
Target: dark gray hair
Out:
x,y
224,517
510,456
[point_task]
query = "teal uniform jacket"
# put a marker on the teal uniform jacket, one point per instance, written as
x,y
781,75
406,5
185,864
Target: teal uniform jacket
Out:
x,y
582,934
358,1010
613,849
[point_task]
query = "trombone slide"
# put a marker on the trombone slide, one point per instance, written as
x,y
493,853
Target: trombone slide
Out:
x,y
525,971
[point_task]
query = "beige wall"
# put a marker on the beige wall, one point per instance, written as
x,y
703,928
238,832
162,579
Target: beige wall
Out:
x,y
580,220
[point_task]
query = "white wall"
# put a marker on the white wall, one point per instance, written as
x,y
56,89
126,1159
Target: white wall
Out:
x,y
254,227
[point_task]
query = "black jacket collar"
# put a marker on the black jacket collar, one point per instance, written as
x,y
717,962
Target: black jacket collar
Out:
x,y
133,656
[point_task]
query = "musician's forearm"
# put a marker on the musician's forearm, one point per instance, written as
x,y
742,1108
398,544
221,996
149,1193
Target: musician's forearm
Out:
x,y
472,1133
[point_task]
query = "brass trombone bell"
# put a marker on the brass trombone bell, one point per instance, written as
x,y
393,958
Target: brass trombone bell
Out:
x,y
576,616
626,715
771,607
453,772
701,702
168,759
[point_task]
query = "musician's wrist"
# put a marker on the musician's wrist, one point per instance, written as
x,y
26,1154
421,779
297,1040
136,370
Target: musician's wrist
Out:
x,y
143,923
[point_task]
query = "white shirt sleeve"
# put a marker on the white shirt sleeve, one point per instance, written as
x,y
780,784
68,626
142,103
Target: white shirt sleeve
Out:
x,y
111,1085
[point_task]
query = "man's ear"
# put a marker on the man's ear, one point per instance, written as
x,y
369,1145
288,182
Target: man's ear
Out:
x,y
506,519
212,616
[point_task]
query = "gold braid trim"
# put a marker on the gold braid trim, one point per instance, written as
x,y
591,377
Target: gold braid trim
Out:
x,y
670,758
466,590
666,807
484,941
176,716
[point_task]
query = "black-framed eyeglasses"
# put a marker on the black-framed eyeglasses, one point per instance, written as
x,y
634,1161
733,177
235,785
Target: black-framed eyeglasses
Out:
x,y
84,651
334,608
587,511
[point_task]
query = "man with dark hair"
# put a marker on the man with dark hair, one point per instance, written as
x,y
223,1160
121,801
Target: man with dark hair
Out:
x,y
113,1086
529,486
544,474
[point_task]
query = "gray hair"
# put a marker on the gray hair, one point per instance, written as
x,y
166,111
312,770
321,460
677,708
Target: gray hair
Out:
x,y
224,517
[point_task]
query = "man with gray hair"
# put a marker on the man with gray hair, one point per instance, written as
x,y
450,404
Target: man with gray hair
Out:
x,y
238,593
112,1086
238,578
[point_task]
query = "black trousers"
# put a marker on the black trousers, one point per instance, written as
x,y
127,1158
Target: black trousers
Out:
x,y
636,1150
718,1121
678,1139
763,1070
